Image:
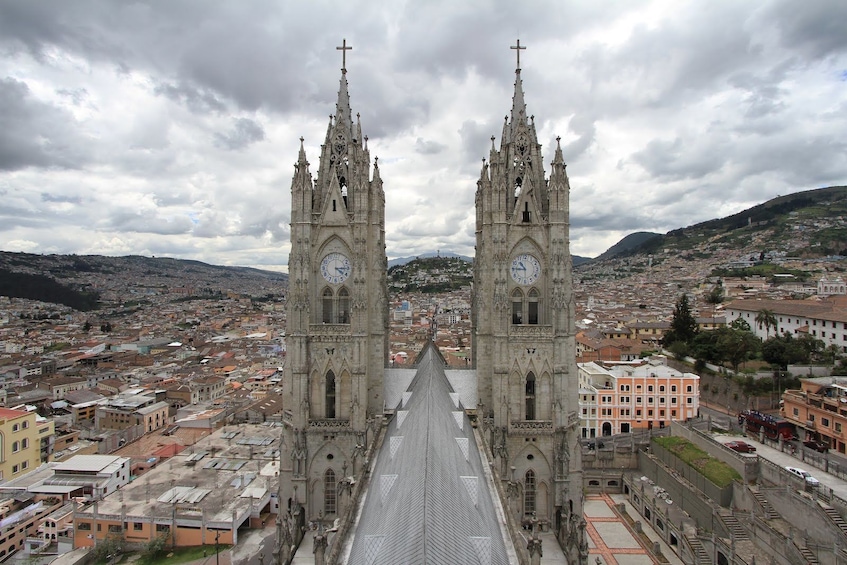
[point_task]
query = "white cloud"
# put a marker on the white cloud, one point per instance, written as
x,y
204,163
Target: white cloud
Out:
x,y
121,133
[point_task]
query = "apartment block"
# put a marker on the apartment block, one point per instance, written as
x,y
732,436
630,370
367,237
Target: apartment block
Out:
x,y
21,435
621,397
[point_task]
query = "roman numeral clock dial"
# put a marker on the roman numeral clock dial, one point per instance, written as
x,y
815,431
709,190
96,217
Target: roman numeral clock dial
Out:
x,y
335,268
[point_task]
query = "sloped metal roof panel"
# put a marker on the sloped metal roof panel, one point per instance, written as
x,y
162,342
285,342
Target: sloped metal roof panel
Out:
x,y
429,501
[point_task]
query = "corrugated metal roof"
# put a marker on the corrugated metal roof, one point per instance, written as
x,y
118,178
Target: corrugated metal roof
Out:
x,y
429,500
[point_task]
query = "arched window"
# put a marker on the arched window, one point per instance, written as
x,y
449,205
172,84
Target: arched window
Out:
x,y
529,493
517,306
530,396
533,308
343,306
326,306
330,496
15,447
330,395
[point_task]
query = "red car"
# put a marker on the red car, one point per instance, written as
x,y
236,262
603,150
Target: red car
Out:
x,y
740,446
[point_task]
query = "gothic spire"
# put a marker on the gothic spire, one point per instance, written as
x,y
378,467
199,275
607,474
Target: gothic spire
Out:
x,y
518,117
343,116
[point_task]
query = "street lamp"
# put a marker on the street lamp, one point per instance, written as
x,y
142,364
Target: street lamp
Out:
x,y
217,556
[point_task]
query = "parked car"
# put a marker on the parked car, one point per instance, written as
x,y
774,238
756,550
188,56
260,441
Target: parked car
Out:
x,y
805,475
816,445
740,446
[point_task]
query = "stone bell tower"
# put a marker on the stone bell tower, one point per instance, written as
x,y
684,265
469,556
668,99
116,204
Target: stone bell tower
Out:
x,y
524,329
337,319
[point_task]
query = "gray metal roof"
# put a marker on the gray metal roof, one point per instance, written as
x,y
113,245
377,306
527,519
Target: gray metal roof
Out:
x,y
429,500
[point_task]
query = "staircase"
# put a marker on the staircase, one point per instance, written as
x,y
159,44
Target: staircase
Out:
x,y
770,513
733,525
701,556
835,517
807,554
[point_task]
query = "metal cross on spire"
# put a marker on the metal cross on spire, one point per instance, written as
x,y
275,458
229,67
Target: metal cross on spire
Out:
x,y
518,48
344,49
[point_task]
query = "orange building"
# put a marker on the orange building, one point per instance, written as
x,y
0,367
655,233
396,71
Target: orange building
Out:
x,y
819,410
626,396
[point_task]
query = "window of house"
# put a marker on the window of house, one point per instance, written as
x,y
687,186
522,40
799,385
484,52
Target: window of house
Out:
x,y
638,400
330,395
15,427
83,526
330,506
796,412
649,413
16,446
650,388
838,427
673,400
673,413
533,307
529,493
689,388
24,443
163,528
25,465
343,306
825,422
517,306
326,306
673,388
137,526
15,469
530,396
638,412
115,529
689,400
24,424
662,388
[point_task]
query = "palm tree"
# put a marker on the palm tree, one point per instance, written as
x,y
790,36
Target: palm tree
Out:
x,y
767,319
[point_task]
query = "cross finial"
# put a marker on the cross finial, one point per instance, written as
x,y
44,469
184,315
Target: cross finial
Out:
x,y
344,49
518,48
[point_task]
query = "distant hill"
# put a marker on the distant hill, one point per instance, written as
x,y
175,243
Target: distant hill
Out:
x,y
630,243
803,224
431,275
404,260
86,282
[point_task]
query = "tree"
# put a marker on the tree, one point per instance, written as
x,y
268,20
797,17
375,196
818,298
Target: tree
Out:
x,y
766,318
683,324
716,295
784,350
737,346
741,324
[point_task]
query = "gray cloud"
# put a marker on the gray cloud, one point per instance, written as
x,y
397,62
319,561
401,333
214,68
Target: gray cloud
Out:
x,y
428,147
35,134
113,117
243,133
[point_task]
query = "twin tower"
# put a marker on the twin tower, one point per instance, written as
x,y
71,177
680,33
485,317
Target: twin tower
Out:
x,y
523,328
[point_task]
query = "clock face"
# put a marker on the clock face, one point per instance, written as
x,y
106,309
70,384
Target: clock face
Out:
x,y
335,268
525,269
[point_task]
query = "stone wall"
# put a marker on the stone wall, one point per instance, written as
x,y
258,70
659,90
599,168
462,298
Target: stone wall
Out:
x,y
747,467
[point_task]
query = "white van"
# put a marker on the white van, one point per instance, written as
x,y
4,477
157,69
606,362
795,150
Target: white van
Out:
x,y
805,475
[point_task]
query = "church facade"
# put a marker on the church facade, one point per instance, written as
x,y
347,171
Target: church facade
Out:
x,y
337,319
337,330
524,347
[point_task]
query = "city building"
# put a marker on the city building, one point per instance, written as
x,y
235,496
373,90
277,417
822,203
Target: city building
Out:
x,y
25,441
620,398
819,411
824,319
205,494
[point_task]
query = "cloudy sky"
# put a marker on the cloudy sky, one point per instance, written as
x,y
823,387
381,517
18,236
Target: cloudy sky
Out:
x,y
171,128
